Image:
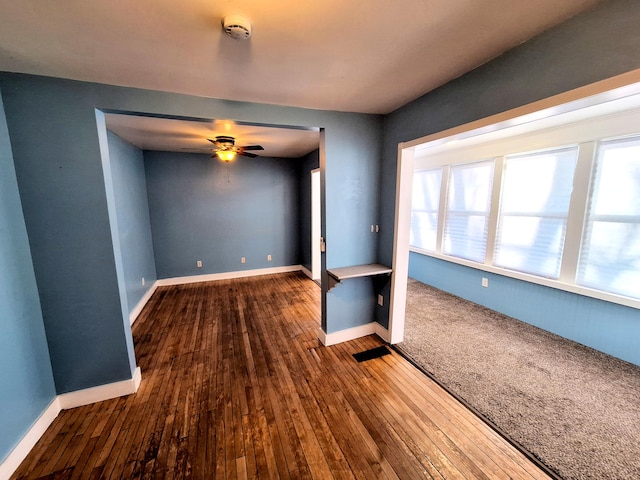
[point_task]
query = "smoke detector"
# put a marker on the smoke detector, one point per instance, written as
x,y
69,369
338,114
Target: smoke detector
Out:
x,y
237,26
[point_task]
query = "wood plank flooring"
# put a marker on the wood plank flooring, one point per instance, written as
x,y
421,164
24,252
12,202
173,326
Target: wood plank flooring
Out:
x,y
237,385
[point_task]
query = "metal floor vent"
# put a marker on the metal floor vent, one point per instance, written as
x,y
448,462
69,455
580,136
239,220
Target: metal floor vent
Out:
x,y
371,354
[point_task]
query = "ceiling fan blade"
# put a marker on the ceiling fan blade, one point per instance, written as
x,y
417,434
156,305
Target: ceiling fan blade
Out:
x,y
252,147
247,154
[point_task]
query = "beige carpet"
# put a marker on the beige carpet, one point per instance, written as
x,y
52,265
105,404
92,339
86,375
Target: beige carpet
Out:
x,y
576,409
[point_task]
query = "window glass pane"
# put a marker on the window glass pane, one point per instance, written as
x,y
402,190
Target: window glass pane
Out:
x,y
466,236
613,260
617,171
610,255
536,192
424,229
424,208
468,204
531,245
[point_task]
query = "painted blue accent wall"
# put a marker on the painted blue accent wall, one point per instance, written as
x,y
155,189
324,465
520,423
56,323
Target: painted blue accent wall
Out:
x,y
26,378
132,211
348,218
352,179
305,165
62,189
597,44
610,328
203,209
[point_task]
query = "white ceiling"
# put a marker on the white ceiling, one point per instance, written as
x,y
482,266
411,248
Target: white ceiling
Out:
x,y
346,55
190,136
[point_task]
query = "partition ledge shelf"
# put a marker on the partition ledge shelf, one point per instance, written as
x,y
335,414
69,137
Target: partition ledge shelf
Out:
x,y
337,275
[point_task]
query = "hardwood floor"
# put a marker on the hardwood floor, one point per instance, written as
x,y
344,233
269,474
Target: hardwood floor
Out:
x,y
237,385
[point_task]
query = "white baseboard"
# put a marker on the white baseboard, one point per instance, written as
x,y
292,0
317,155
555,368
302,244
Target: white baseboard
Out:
x,y
347,334
64,402
209,278
101,392
227,275
22,449
382,332
143,301
306,272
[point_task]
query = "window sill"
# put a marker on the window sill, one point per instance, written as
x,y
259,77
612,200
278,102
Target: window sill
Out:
x,y
547,282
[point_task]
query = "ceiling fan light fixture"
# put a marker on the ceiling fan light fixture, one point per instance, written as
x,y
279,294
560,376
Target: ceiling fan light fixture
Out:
x,y
226,155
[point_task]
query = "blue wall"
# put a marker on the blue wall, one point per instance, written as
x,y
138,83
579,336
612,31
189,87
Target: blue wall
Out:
x,y
62,188
204,209
348,218
595,45
26,379
132,212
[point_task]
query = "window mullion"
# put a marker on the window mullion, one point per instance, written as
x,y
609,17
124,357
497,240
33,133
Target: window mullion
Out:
x,y
498,169
443,206
577,212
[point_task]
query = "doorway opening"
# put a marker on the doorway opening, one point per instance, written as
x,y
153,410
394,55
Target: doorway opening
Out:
x,y
315,226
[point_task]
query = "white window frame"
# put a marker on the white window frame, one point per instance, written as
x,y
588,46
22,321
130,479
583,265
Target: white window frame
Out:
x,y
584,132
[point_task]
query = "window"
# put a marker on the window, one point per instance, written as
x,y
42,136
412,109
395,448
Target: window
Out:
x,y
532,222
610,255
555,203
424,209
468,204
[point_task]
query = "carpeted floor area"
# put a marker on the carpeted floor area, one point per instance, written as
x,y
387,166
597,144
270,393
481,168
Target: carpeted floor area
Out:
x,y
576,409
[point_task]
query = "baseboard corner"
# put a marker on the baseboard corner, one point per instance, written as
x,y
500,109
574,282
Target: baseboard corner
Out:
x,y
133,316
347,334
227,275
100,393
29,440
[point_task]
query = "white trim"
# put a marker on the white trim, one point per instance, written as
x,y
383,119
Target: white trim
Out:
x,y
612,88
547,282
347,334
101,392
316,225
64,402
382,332
398,300
141,304
207,278
306,272
22,449
613,113
227,275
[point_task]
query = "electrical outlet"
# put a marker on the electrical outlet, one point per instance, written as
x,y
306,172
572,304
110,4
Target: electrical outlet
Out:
x,y
243,260
268,258
199,264
143,281
377,228
485,282
380,300
372,229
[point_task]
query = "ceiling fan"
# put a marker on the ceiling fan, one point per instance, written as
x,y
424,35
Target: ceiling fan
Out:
x,y
226,148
